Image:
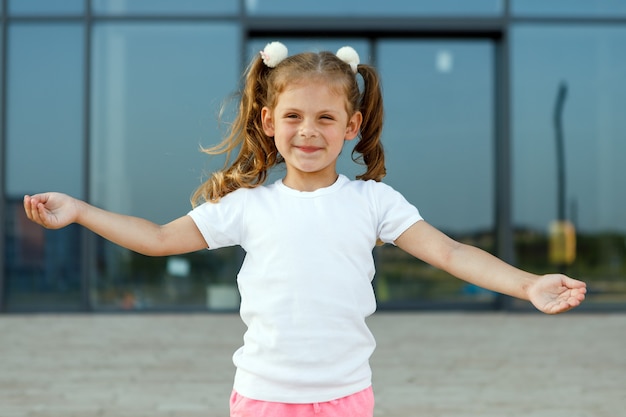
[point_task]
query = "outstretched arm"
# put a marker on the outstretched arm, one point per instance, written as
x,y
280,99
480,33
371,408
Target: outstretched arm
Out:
x,y
55,210
554,293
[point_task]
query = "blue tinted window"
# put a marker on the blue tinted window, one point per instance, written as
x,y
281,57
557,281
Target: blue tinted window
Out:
x,y
44,152
582,8
373,8
439,128
122,7
47,7
45,108
157,90
438,140
590,62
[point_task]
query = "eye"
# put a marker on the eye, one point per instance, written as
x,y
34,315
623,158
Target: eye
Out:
x,y
327,117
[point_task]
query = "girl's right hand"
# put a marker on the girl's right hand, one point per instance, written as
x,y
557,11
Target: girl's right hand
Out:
x,y
51,210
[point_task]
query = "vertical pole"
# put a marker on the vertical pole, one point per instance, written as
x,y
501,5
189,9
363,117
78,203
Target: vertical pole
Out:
x,y
87,238
560,149
3,159
560,247
503,194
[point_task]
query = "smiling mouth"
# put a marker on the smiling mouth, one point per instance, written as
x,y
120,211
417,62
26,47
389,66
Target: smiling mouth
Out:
x,y
308,149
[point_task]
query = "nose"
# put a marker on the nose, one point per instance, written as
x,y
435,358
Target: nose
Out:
x,y
308,129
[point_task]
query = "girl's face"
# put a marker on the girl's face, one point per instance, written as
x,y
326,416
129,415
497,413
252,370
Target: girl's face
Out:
x,y
309,125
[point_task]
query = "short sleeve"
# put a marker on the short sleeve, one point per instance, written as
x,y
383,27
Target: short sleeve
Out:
x,y
395,213
221,223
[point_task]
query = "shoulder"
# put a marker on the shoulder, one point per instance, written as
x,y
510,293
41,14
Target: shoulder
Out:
x,y
371,187
234,200
244,193
384,197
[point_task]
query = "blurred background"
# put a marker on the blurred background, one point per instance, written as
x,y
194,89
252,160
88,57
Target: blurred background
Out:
x,y
504,125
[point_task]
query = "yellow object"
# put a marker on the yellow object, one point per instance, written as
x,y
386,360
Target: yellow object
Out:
x,y
562,245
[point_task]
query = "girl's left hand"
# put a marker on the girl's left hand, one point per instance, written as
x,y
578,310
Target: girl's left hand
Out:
x,y
556,293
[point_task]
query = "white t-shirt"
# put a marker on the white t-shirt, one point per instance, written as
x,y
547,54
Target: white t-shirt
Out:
x,y
305,283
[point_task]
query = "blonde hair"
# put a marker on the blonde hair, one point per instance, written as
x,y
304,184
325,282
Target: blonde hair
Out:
x,y
256,153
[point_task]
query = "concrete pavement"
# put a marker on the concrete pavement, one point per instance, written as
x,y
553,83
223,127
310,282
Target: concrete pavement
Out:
x,y
426,364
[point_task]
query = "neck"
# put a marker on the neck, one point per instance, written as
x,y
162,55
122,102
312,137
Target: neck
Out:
x,y
309,181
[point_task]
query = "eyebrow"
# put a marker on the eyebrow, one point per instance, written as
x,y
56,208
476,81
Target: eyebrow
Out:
x,y
295,109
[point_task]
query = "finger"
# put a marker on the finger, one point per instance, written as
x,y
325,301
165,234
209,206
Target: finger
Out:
x,y
575,284
26,203
579,294
564,306
31,209
44,215
34,212
38,211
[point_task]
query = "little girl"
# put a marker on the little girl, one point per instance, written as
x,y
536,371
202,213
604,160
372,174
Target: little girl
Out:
x,y
305,283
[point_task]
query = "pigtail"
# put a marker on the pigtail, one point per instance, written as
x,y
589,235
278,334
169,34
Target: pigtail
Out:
x,y
266,77
256,152
369,149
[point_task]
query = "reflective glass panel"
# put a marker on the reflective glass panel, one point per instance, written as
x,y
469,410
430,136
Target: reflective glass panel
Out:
x,y
124,7
157,90
569,89
44,152
582,8
373,8
438,142
45,7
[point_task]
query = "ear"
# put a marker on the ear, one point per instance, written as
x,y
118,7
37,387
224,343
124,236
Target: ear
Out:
x,y
354,125
267,119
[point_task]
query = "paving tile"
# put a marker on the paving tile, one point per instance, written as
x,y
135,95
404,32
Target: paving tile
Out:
x,y
426,364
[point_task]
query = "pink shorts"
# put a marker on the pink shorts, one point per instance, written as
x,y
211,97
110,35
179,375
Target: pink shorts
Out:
x,y
360,404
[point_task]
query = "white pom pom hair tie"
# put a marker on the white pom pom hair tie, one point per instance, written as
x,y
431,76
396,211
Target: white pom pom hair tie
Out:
x,y
273,54
348,55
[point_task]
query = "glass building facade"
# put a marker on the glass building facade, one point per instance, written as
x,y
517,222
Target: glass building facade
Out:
x,y
504,125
